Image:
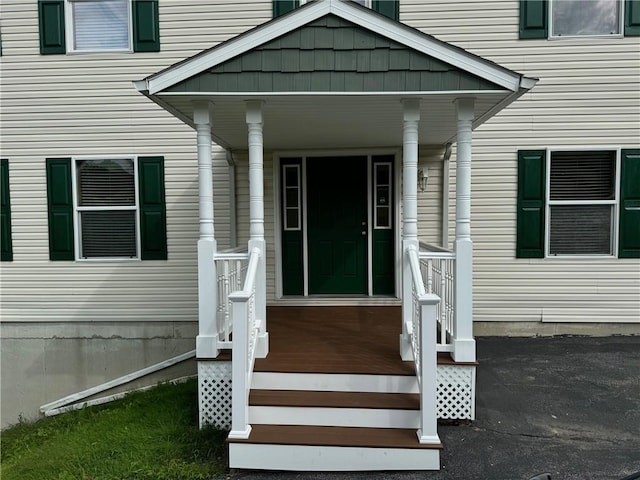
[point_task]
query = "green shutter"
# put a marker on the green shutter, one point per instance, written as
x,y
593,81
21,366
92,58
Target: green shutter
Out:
x,y
153,216
388,8
146,26
60,202
530,206
632,18
534,18
6,250
629,231
51,24
280,7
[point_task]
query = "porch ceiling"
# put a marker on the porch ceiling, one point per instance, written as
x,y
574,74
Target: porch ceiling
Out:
x,y
332,121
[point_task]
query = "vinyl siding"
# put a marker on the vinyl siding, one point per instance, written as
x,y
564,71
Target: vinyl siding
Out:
x,y
85,104
588,95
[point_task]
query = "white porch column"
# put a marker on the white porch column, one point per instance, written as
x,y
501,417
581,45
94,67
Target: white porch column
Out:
x,y
411,117
206,341
256,217
464,346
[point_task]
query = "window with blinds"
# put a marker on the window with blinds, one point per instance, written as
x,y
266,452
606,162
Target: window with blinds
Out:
x,y
582,200
106,208
100,25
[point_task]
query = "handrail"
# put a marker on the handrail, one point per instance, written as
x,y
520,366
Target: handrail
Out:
x,y
423,346
245,333
414,263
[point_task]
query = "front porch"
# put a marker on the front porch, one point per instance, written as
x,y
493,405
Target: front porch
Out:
x,y
338,100
334,389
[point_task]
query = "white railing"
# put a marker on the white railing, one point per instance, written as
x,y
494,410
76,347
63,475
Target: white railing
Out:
x,y
231,269
423,345
245,334
437,268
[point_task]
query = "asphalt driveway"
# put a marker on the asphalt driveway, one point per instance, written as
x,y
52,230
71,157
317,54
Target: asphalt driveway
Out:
x,y
569,406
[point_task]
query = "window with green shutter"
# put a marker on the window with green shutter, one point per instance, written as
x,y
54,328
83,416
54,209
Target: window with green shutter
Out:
x,y
117,210
579,18
6,250
569,203
98,26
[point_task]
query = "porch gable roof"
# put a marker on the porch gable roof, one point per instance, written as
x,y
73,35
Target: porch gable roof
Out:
x,y
332,73
332,54
396,33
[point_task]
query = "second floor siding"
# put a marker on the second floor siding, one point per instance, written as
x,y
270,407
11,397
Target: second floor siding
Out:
x,y
589,85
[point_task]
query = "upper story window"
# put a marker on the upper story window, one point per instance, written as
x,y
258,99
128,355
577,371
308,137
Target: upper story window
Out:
x,y
99,25
579,18
85,26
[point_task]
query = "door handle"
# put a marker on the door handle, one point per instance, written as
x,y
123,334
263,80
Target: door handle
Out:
x,y
364,233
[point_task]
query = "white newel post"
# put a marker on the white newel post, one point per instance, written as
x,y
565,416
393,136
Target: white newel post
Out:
x,y
428,433
411,117
464,346
206,341
256,217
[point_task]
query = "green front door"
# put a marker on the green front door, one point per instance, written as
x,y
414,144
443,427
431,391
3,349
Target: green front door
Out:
x,y
337,225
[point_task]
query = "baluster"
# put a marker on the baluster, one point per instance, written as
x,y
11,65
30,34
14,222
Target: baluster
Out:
x,y
430,276
444,324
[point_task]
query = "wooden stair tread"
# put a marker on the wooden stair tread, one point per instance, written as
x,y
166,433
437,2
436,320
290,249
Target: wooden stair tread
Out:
x,y
335,437
298,398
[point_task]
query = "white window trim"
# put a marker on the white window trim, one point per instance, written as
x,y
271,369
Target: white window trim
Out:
x,y
615,217
69,30
77,209
551,36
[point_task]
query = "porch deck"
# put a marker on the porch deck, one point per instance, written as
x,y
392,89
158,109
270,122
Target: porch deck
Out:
x,y
346,339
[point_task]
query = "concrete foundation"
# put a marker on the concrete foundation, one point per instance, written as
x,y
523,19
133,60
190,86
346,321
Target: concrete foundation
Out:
x,y
42,362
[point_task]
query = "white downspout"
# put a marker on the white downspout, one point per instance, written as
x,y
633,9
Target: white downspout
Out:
x,y
233,214
446,188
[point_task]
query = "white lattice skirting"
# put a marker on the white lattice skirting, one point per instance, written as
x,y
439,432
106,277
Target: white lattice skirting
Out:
x,y
214,394
456,393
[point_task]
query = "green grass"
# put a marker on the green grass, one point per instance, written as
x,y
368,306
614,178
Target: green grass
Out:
x,y
148,435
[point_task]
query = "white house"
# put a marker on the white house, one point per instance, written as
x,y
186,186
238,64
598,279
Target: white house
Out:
x,y
368,184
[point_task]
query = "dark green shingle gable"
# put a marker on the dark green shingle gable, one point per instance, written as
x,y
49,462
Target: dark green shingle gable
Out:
x,y
332,54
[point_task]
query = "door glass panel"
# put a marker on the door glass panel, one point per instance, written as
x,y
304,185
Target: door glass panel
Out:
x,y
291,196
382,200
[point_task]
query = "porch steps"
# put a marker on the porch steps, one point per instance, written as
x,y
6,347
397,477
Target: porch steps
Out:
x,y
322,448
340,409
334,396
333,422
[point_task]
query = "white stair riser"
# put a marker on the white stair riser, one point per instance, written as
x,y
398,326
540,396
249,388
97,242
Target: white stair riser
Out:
x,y
330,382
334,417
314,458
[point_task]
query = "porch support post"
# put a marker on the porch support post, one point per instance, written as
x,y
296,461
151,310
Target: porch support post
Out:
x,y
464,346
207,339
411,118
256,217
